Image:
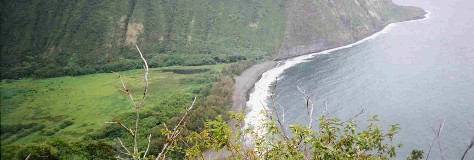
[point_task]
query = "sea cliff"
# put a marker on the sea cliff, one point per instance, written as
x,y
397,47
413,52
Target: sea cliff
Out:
x,y
316,25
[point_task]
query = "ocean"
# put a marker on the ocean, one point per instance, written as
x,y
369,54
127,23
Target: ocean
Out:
x,y
416,74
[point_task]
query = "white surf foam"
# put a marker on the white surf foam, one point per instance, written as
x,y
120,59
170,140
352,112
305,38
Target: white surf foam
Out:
x,y
257,102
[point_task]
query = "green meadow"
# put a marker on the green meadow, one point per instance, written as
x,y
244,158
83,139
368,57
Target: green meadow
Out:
x,y
71,108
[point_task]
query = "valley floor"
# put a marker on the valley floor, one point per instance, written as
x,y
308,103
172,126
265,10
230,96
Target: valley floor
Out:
x,y
70,108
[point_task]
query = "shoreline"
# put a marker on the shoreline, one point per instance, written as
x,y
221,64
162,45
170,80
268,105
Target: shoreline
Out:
x,y
425,16
241,95
245,82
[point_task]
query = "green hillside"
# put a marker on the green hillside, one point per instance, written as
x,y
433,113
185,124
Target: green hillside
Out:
x,y
55,38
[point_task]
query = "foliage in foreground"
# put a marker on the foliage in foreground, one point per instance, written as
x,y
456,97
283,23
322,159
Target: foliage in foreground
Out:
x,y
332,139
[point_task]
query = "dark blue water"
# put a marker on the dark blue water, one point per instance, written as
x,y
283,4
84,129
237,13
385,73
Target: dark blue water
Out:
x,y
417,75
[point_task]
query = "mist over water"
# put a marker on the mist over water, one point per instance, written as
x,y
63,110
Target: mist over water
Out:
x,y
417,74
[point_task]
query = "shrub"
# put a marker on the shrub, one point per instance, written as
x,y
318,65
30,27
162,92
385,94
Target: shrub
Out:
x,y
333,139
38,151
66,124
48,132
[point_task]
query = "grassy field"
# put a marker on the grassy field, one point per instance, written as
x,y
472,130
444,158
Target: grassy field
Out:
x,y
70,108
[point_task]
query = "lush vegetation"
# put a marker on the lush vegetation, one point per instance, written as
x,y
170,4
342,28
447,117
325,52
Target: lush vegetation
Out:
x,y
51,38
67,109
332,139
55,38
60,149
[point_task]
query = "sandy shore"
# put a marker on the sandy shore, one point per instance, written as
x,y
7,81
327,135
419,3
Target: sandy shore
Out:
x,y
245,82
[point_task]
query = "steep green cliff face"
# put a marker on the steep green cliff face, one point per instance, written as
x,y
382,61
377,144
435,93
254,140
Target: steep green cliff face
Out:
x,y
315,25
47,37
50,38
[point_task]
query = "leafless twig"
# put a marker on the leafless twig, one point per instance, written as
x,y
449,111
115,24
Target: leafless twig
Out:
x,y
176,132
309,109
283,114
147,147
282,130
123,126
471,144
360,113
325,109
134,132
437,133
118,157
123,146
145,77
309,106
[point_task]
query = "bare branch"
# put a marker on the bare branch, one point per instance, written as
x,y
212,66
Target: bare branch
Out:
x,y
325,109
135,133
137,107
309,106
440,149
122,125
283,114
145,78
165,147
182,119
310,125
184,142
471,144
118,157
309,109
360,113
28,157
147,147
280,123
176,131
123,146
126,90
167,130
282,131
437,133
